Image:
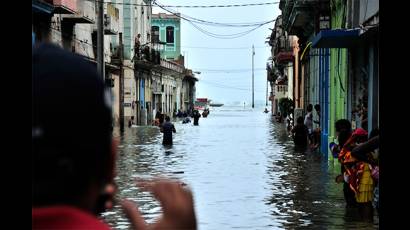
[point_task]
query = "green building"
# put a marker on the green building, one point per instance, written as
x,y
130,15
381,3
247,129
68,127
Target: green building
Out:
x,y
338,71
166,30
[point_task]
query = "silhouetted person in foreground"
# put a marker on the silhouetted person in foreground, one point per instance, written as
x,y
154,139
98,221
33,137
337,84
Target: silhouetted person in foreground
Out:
x,y
167,128
73,167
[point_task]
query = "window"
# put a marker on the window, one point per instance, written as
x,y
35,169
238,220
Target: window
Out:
x,y
170,34
155,34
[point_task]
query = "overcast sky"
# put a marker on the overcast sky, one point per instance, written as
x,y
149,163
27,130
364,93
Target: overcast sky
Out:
x,y
226,87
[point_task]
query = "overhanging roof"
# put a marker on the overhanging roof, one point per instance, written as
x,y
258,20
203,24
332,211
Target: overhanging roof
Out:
x,y
339,38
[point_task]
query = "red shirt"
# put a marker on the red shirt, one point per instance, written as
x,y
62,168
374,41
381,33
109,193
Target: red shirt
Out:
x,y
65,217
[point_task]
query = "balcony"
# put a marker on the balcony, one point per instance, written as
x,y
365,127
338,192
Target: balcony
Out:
x,y
298,16
63,6
171,67
284,53
284,57
85,13
146,58
279,91
286,7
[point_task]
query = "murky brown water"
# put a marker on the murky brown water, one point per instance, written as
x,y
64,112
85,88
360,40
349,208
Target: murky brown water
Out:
x,y
243,171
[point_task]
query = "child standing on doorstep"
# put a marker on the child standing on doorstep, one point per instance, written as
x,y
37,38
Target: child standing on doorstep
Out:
x,y
309,122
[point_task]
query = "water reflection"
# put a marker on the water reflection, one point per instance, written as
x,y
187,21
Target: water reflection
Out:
x,y
243,170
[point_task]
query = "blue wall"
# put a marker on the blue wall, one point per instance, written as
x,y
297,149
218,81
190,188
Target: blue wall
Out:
x,y
142,92
324,99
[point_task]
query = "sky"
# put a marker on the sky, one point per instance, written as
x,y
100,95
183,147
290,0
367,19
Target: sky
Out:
x,y
232,85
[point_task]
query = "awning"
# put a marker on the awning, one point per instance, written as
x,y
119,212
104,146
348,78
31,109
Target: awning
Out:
x,y
340,38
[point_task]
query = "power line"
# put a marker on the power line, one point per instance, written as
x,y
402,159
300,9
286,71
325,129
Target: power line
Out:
x,y
227,70
200,21
226,6
225,36
210,23
220,36
224,86
223,48
196,6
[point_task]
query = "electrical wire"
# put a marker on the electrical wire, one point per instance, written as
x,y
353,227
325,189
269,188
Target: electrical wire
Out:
x,y
222,48
219,36
225,86
228,71
210,23
195,6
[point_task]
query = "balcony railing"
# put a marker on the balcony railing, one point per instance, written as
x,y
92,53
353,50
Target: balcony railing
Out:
x,y
146,57
284,57
297,15
281,88
172,66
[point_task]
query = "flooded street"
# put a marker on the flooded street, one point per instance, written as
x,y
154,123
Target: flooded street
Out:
x,y
243,172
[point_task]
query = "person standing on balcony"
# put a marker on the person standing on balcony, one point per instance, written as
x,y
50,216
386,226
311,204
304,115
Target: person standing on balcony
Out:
x,y
137,46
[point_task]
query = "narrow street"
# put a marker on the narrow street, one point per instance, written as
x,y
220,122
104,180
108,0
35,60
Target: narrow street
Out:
x,y
275,77
243,172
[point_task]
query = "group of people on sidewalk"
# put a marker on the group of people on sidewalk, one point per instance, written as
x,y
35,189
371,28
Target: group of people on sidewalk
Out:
x,y
357,153
303,133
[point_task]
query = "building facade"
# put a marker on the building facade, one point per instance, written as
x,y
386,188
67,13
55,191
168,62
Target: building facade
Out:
x,y
335,48
141,80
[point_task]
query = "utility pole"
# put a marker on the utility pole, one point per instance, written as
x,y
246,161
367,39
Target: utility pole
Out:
x,y
121,83
100,39
253,89
266,92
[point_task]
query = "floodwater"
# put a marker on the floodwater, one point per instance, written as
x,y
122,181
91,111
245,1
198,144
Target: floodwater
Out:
x,y
243,170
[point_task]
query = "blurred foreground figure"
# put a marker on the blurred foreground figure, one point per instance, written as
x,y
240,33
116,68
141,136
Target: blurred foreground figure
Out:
x,y
73,153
